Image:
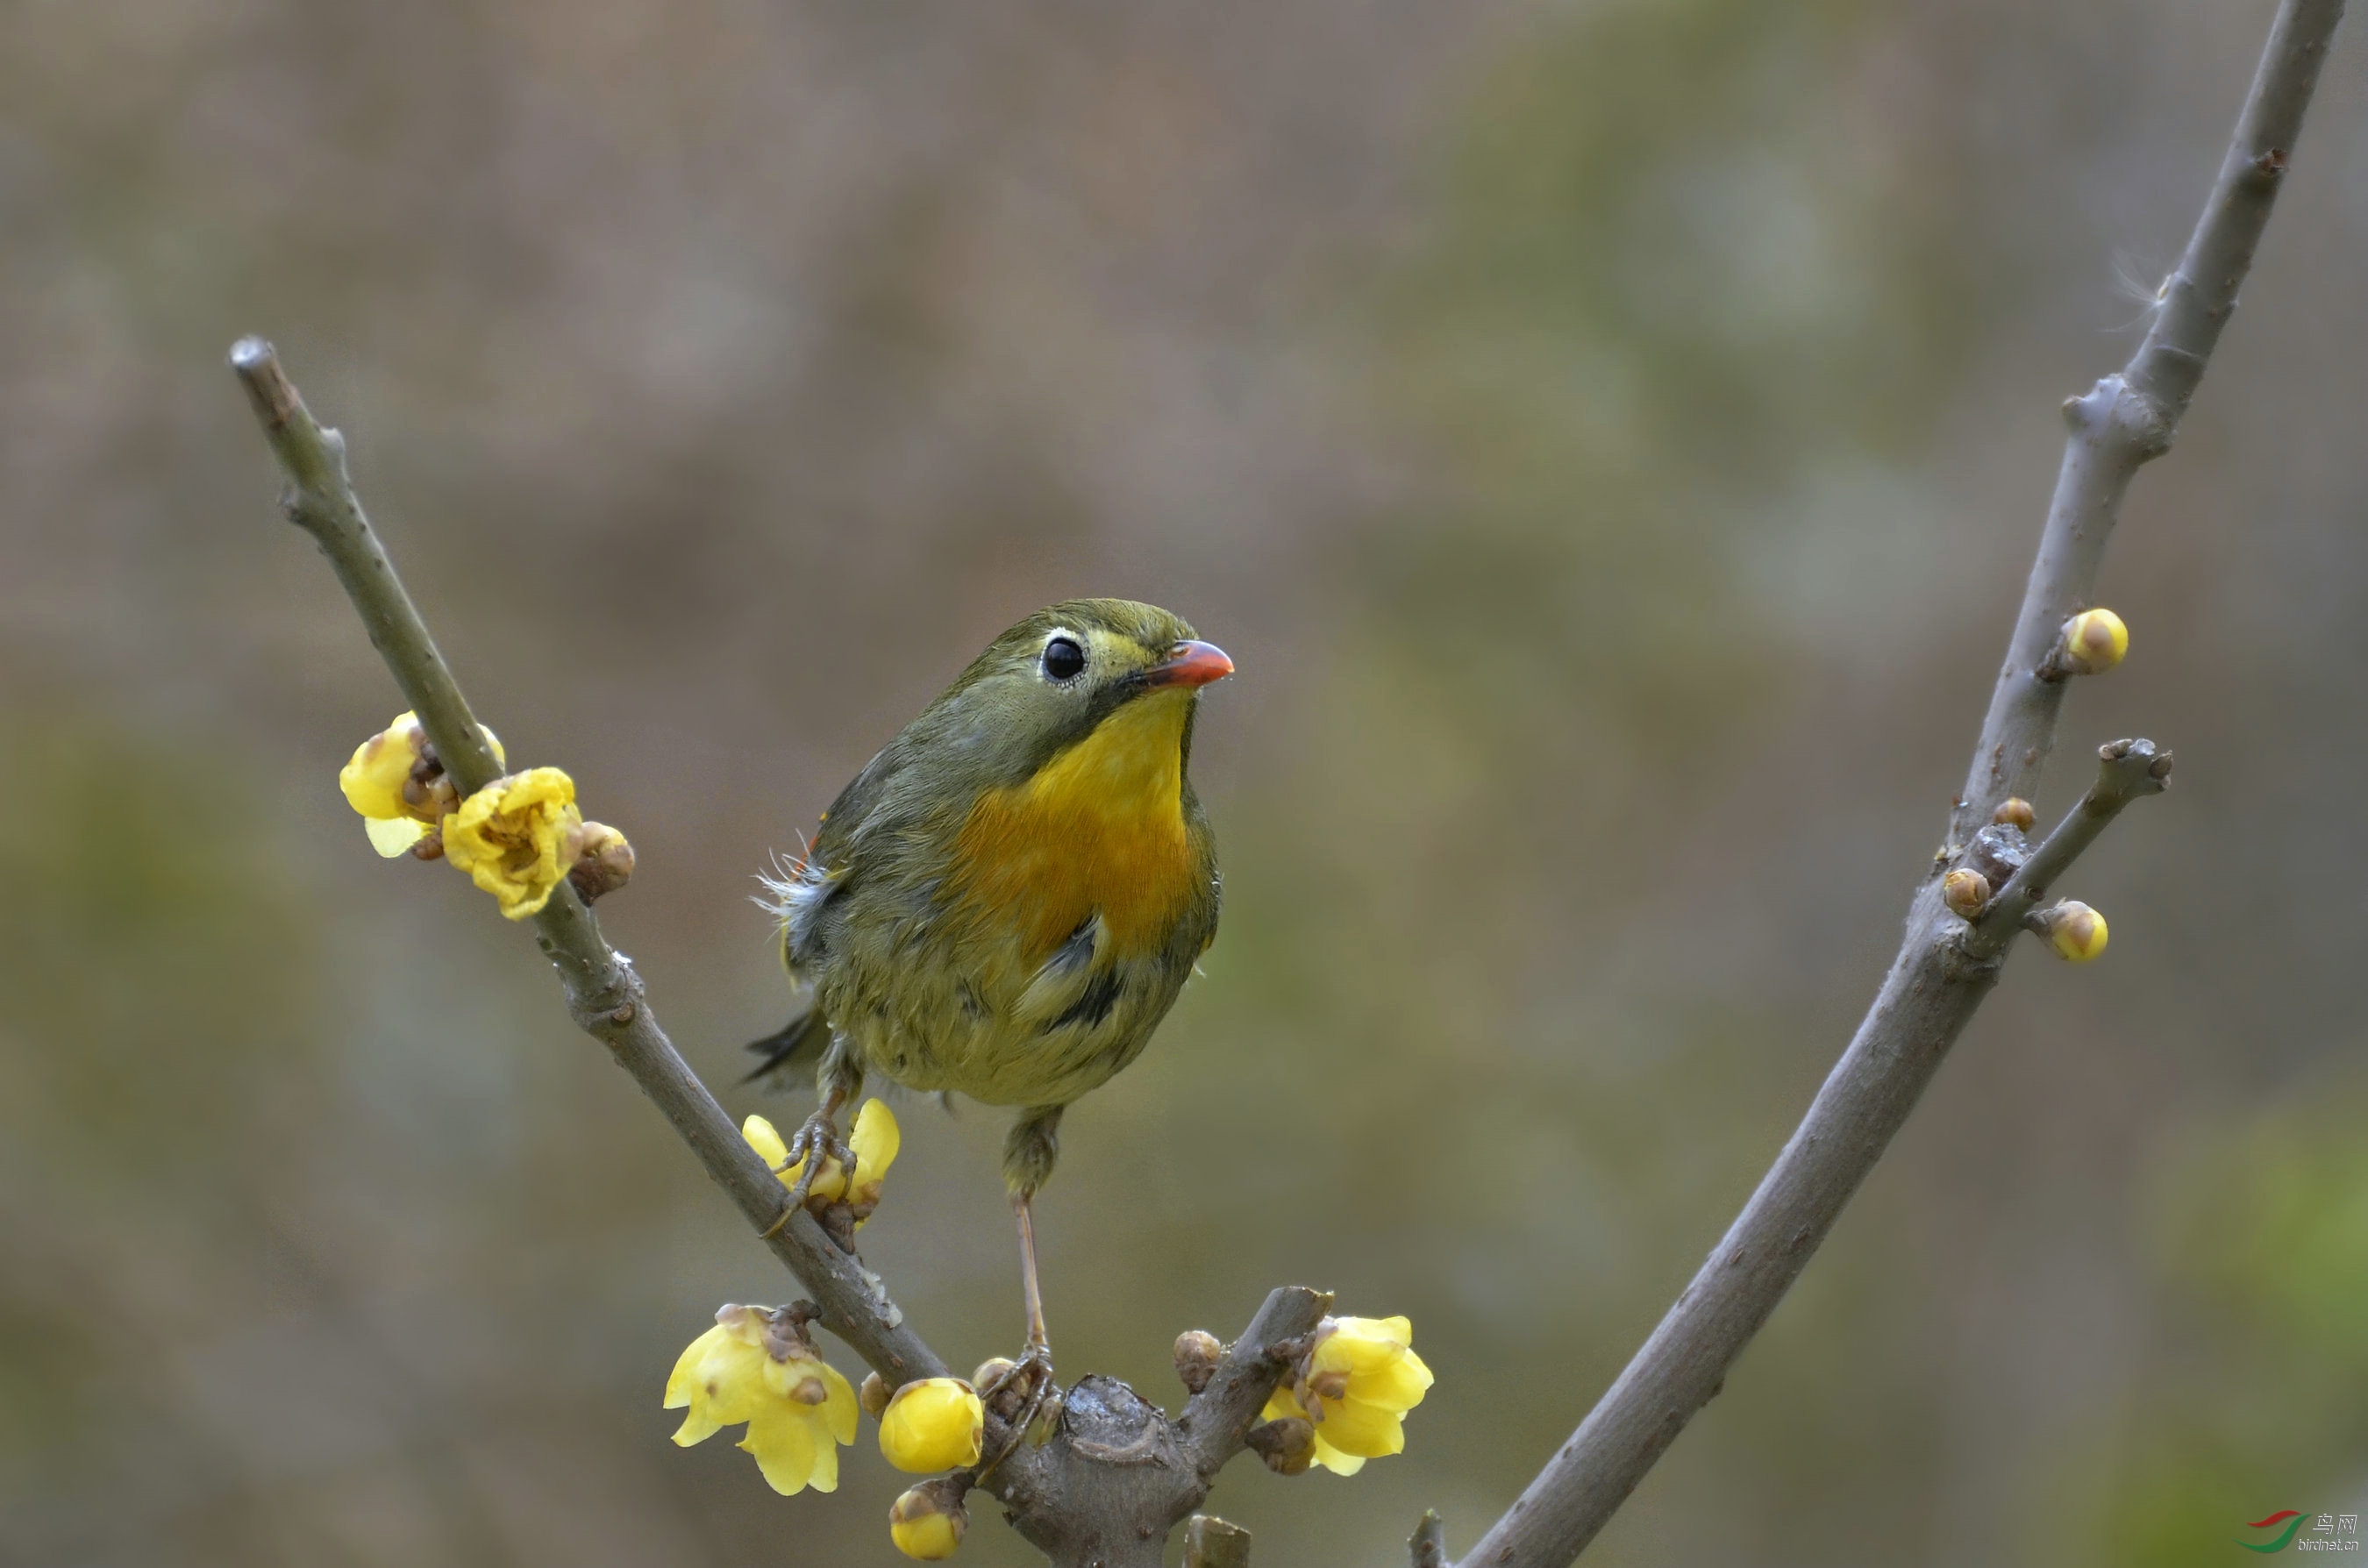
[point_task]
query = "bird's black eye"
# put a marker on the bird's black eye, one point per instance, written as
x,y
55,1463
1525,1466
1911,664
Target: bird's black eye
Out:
x,y
1063,659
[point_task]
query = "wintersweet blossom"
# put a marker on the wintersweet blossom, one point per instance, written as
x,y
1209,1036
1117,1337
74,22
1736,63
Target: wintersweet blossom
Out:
x,y
1355,1386
935,1424
517,838
757,1366
391,780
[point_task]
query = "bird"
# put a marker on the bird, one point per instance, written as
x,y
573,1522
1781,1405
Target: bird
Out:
x,y
1003,904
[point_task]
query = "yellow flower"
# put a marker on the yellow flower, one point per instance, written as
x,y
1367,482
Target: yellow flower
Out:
x,y
935,1424
517,837
385,782
875,1141
755,1366
1356,1386
927,1525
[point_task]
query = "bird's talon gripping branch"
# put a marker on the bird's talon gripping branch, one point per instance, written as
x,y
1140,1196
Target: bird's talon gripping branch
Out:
x,y
837,1180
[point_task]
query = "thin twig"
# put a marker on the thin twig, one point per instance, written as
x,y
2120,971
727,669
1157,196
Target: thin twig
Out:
x,y
1942,971
2126,771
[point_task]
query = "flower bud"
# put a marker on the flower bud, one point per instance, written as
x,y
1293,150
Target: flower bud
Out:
x,y
2094,642
935,1424
2015,811
1287,1444
602,861
2075,931
1966,892
1197,1351
873,1395
928,1522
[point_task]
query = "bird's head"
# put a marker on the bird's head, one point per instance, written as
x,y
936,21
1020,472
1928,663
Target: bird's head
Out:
x,y
1119,675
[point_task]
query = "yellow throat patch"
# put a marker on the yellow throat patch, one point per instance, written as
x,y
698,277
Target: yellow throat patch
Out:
x,y
1099,827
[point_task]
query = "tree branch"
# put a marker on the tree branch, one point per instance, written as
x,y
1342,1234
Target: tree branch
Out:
x,y
1943,969
1120,1475
604,994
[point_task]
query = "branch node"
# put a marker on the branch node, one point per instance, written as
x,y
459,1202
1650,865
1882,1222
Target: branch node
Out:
x,y
1427,1545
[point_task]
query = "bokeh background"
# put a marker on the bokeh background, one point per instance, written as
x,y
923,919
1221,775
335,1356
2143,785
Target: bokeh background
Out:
x,y
1609,436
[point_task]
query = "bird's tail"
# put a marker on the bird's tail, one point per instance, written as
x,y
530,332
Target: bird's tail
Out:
x,y
792,1052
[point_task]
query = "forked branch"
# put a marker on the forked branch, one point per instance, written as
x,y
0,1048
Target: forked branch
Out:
x,y
1943,969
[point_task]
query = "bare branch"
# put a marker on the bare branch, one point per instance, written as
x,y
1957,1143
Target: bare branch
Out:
x,y
1943,970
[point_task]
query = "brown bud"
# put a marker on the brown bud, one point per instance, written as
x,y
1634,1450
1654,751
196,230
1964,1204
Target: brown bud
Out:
x,y
1197,1351
1288,1445
1002,1393
1966,894
429,847
604,862
873,1394
2016,811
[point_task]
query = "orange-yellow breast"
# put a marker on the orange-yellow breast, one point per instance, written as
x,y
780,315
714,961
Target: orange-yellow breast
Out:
x,y
1100,827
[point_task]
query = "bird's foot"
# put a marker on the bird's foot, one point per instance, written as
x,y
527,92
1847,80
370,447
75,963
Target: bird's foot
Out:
x,y
1020,1394
816,1142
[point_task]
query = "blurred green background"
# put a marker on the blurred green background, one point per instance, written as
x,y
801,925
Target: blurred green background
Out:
x,y
1609,437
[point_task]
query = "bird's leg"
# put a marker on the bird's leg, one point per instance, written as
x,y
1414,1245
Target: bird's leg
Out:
x,y
1031,1292
816,1138
1027,1157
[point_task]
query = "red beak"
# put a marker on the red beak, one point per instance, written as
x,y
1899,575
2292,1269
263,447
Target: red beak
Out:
x,y
1190,664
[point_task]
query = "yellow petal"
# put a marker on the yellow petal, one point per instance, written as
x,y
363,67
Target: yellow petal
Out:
x,y
1283,1402
838,1412
767,1143
1361,1345
713,1378
392,836
1333,1460
875,1140
784,1446
510,837
373,778
1398,1385
1367,1431
935,1424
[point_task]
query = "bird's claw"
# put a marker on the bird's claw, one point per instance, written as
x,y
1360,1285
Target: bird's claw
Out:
x,y
1020,1394
815,1142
